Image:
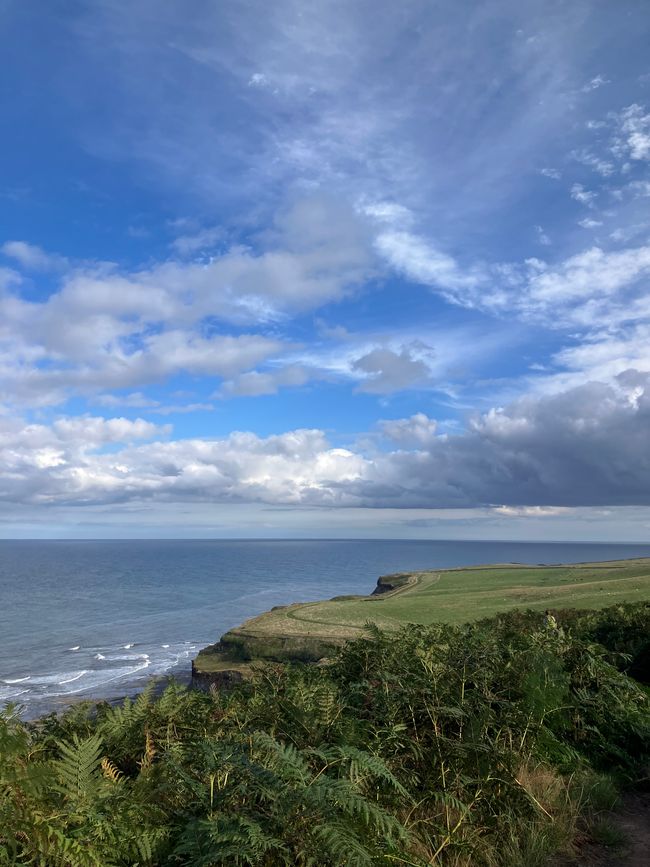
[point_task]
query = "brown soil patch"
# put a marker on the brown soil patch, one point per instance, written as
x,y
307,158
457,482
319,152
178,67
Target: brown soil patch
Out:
x,y
633,820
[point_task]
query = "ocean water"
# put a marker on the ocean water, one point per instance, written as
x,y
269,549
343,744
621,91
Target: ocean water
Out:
x,y
96,619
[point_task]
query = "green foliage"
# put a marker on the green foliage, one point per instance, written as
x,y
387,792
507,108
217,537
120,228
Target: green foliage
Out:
x,y
479,744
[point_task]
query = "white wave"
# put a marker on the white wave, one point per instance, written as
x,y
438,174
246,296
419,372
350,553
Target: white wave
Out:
x,y
8,694
128,646
97,679
71,679
76,647
57,678
113,668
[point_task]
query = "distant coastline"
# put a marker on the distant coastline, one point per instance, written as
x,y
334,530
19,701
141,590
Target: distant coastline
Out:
x,y
145,609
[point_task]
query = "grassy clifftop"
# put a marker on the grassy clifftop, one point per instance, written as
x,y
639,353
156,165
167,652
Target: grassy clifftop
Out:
x,y
311,631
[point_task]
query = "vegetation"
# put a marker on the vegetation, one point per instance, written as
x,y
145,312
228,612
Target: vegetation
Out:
x,y
310,631
488,743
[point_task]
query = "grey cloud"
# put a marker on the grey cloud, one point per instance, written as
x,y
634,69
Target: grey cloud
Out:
x,y
585,446
387,370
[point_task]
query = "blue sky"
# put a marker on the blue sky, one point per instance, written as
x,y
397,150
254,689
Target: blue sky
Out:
x,y
325,269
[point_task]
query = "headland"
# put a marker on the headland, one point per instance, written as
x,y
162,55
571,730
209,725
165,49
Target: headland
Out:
x,y
313,631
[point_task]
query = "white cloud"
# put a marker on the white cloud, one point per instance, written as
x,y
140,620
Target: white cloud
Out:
x,y
603,356
88,432
595,83
640,188
106,328
135,399
421,262
586,446
634,132
531,511
603,167
31,257
418,430
255,383
182,408
58,464
584,289
258,79
582,195
590,274
203,239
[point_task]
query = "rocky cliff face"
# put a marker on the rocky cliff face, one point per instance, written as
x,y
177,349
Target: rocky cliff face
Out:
x,y
224,679
388,583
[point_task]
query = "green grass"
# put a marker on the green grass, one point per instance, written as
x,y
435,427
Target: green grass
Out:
x,y
449,595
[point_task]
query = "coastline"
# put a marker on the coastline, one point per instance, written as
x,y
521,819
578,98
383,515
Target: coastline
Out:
x,y
311,632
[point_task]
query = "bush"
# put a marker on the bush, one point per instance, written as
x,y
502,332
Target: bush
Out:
x,y
479,744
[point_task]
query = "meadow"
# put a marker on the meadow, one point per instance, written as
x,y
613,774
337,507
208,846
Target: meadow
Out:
x,y
309,631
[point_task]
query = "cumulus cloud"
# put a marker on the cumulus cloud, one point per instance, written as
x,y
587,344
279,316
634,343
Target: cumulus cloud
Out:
x,y
107,328
417,430
118,365
585,446
29,450
62,464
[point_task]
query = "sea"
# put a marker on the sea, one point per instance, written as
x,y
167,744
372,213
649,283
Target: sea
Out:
x,y
98,619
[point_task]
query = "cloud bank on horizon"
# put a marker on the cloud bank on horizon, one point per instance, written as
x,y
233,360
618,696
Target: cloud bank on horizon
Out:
x,y
328,269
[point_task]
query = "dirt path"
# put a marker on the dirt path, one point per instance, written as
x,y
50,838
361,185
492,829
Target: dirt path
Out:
x,y
632,819
634,822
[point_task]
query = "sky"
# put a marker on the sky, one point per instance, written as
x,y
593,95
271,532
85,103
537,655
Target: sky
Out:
x,y
325,269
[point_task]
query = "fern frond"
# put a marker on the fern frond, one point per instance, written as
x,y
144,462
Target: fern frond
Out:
x,y
77,768
111,771
149,752
343,846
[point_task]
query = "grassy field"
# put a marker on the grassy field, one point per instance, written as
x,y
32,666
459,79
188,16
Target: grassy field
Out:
x,y
308,630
